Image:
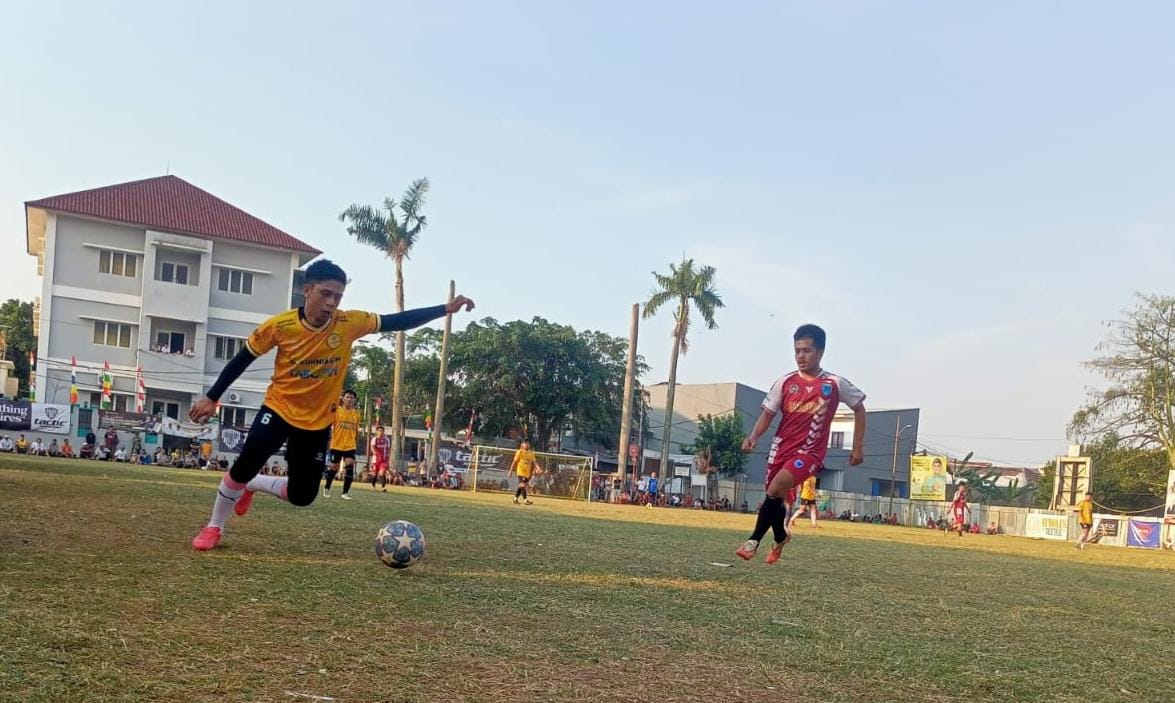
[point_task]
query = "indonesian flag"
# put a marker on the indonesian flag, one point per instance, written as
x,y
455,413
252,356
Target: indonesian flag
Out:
x,y
73,380
107,383
32,377
428,421
469,429
140,391
379,400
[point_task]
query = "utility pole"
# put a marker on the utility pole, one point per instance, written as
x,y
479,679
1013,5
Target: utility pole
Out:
x,y
629,382
435,444
893,471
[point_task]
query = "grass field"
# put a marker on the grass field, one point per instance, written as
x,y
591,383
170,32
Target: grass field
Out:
x,y
101,598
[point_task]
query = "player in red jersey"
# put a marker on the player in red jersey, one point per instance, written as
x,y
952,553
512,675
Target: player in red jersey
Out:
x,y
381,447
808,399
959,510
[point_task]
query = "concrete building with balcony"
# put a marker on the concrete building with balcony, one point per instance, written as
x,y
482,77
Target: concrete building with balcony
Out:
x,y
159,275
872,477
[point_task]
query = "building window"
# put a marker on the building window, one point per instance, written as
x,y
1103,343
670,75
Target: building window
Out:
x,y
232,417
228,347
112,334
173,273
121,403
837,440
160,407
170,342
117,263
235,282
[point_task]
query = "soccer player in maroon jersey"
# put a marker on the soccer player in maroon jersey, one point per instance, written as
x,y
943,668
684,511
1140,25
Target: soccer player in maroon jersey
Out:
x,y
808,399
381,448
959,509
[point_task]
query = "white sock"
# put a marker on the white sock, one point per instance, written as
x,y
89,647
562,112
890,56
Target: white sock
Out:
x,y
273,485
226,497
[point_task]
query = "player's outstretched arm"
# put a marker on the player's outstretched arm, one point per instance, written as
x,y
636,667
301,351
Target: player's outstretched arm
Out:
x,y
206,407
858,454
410,319
761,426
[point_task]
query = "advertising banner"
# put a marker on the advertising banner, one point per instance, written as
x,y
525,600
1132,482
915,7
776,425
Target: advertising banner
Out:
x,y
928,478
1042,526
50,417
15,414
1143,534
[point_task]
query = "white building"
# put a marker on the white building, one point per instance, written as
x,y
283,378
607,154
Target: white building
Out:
x,y
156,274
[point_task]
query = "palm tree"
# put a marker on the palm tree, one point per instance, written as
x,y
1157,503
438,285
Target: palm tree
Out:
x,y
689,287
394,234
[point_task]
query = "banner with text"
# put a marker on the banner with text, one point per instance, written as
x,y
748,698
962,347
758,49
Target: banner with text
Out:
x,y
1143,533
15,414
50,417
1043,526
928,478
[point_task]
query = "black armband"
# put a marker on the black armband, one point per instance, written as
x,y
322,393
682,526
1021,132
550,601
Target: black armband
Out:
x,y
410,318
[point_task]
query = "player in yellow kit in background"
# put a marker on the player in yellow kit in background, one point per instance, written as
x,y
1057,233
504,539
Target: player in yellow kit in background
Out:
x,y
524,465
807,502
343,440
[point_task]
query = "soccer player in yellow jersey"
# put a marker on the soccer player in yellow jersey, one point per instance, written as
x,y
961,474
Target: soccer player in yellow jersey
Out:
x,y
807,502
524,465
313,346
1085,520
342,444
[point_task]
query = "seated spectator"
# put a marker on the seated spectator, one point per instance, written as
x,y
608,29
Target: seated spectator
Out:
x,y
54,449
993,529
66,450
22,445
102,453
120,454
145,458
86,452
37,448
6,444
975,528
743,508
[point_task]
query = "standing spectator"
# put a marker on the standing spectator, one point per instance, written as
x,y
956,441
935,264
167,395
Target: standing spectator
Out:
x,y
111,440
807,502
1084,518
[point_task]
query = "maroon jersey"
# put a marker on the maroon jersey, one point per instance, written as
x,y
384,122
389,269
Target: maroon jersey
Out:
x,y
808,406
380,446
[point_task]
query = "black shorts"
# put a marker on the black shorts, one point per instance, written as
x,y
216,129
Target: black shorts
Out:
x,y
809,503
305,454
524,480
337,455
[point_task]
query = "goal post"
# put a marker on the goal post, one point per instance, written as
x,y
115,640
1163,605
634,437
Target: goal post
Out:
x,y
563,475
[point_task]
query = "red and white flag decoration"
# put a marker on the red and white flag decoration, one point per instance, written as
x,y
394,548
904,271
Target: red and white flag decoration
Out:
x,y
469,429
140,391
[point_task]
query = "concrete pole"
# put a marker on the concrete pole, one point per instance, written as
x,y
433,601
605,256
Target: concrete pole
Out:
x,y
435,445
629,382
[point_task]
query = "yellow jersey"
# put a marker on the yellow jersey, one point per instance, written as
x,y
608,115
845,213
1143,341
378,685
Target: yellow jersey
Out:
x,y
1085,512
808,489
524,462
344,429
311,362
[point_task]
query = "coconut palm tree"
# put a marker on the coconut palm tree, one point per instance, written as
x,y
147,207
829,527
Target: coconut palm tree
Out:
x,y
394,230
690,288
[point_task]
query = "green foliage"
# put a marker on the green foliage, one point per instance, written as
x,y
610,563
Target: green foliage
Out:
x,y
393,230
1138,406
537,378
690,288
16,317
720,440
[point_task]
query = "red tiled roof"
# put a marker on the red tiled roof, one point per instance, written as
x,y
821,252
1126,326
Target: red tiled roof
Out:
x,y
172,204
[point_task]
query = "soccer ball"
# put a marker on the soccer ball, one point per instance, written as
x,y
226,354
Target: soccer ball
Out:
x,y
399,544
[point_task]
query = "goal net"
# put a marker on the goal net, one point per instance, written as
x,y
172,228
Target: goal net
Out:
x,y
562,476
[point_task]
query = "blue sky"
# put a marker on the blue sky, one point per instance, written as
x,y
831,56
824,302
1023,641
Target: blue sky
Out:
x,y
961,194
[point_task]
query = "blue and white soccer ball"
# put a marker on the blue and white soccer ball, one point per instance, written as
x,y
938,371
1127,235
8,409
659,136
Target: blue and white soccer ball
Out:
x,y
399,544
